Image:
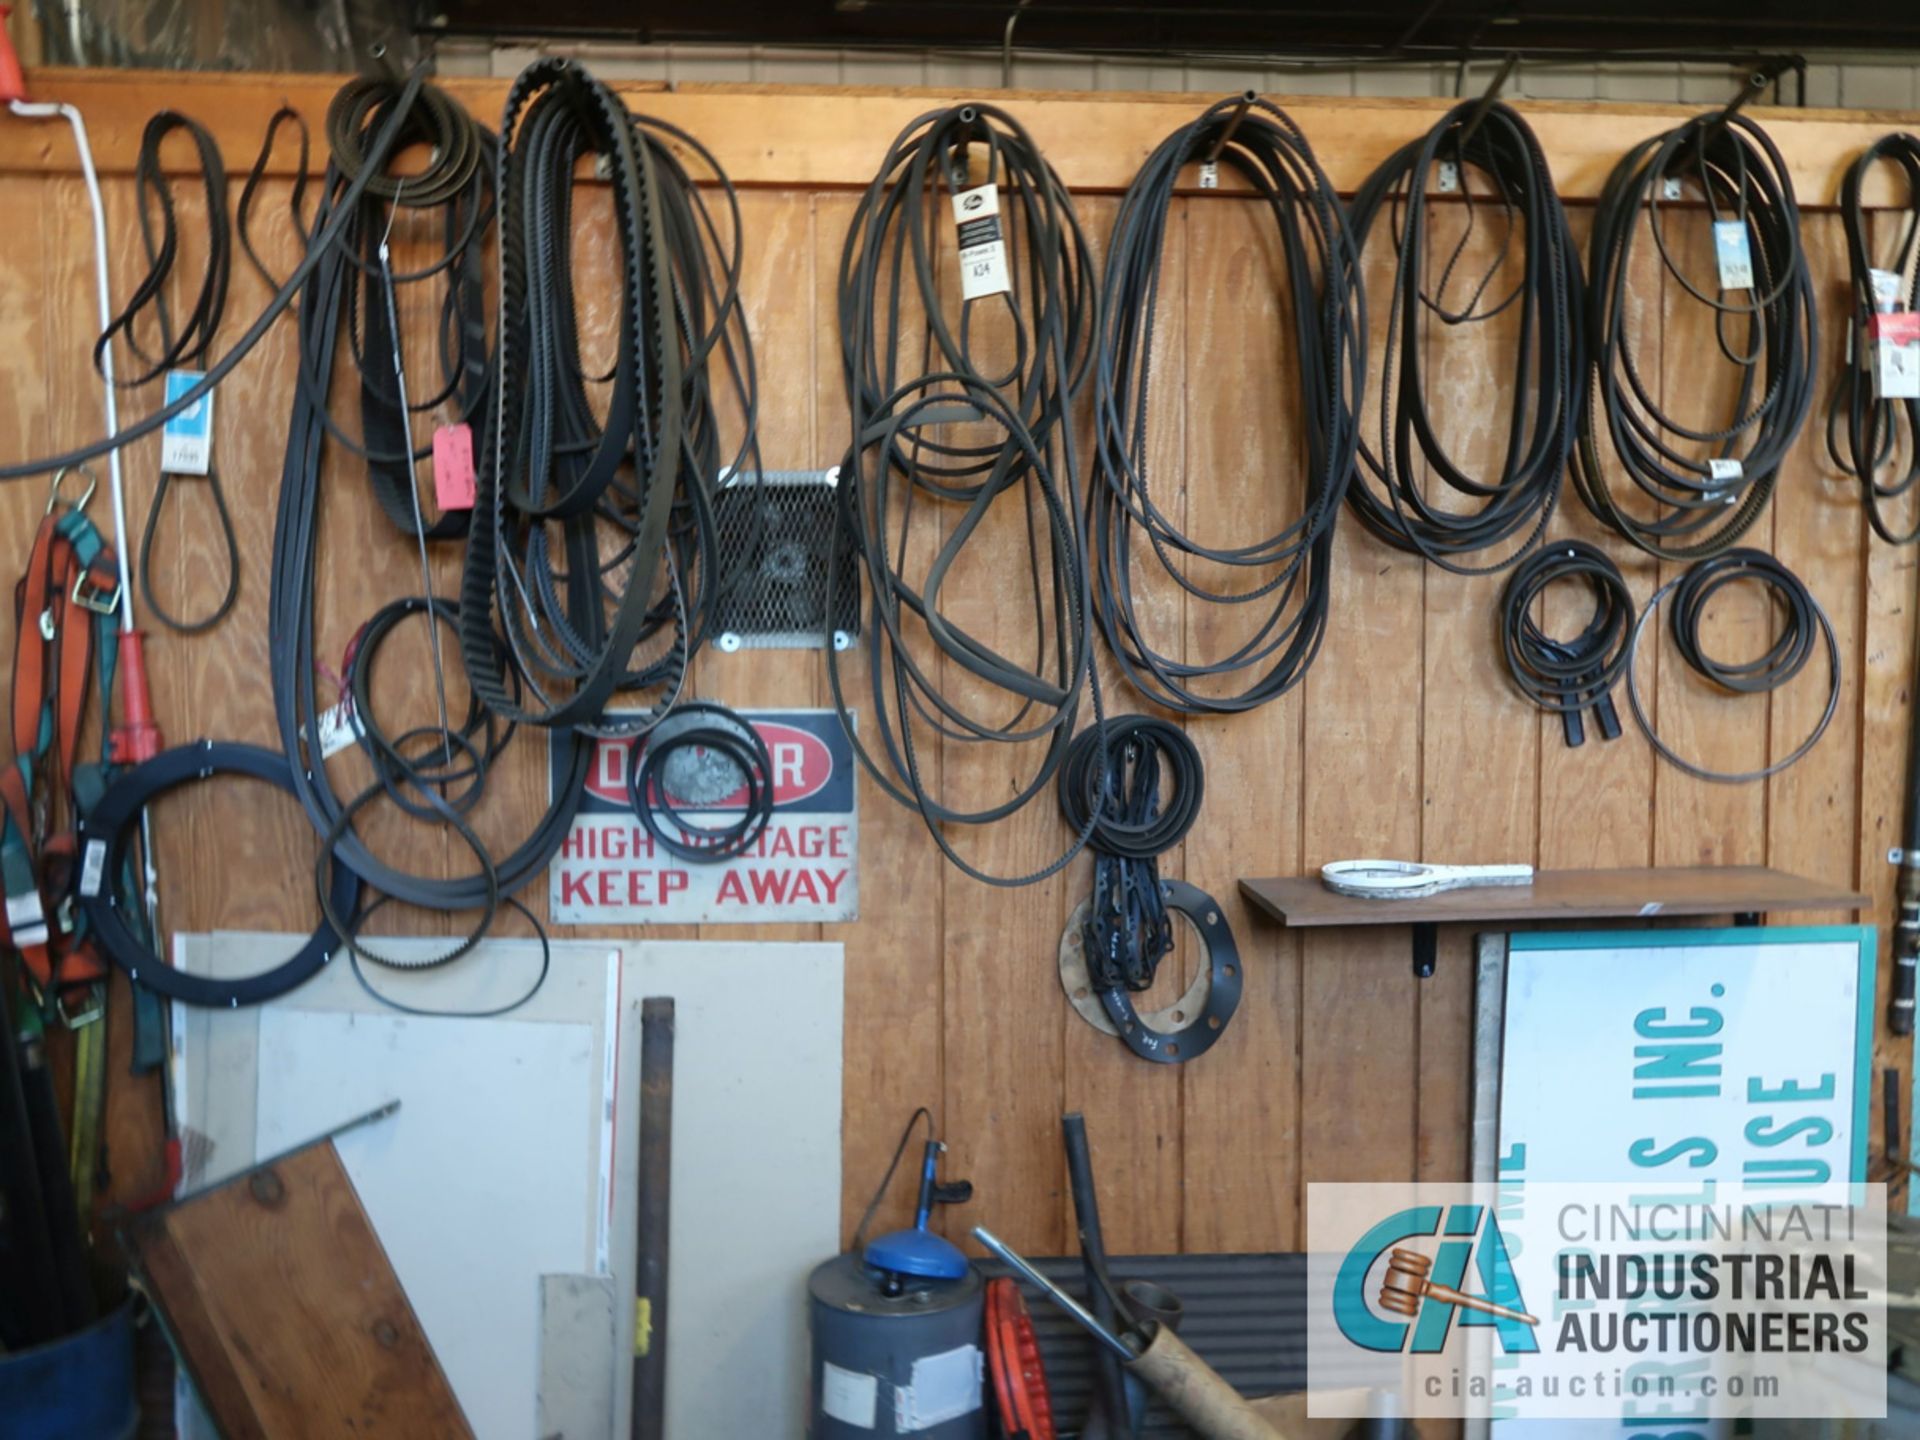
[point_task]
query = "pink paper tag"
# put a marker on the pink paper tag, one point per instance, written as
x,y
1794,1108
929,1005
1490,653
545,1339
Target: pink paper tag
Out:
x,y
453,467
1900,327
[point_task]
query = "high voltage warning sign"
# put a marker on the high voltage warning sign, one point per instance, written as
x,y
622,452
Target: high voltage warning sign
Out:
x,y
803,868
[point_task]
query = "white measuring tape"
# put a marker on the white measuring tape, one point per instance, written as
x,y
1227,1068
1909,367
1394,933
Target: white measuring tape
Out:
x,y
1406,880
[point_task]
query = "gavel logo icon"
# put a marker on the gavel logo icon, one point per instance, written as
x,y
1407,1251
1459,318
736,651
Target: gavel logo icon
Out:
x,y
1406,1284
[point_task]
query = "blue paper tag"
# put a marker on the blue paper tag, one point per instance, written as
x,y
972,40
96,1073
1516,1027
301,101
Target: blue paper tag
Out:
x,y
1731,250
186,442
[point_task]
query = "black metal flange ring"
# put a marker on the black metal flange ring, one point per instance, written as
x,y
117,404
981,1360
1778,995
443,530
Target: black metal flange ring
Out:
x,y
110,826
1209,1023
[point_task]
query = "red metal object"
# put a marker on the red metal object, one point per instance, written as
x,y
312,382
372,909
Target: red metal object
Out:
x,y
1013,1358
137,738
13,83
175,1163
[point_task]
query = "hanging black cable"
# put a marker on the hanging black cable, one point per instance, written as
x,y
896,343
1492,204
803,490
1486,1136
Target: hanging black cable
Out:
x,y
1702,503
723,755
249,191
1112,783
1136,784
1567,676
1864,427
457,182
378,149
434,772
1287,571
1398,492
948,425
555,481
185,345
1801,623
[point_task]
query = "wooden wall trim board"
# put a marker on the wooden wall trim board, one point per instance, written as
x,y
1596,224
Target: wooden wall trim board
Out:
x,y
829,135
1404,739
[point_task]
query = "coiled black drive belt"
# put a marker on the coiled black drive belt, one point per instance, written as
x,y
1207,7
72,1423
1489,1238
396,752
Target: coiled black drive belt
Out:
x,y
1565,676
1282,578
1410,490
1113,780
1871,423
109,828
1707,495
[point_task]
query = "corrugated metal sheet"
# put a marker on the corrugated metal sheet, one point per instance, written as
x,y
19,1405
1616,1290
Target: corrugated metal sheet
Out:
x,y
1246,1315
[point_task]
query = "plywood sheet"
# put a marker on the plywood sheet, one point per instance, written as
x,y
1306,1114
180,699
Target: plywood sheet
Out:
x,y
280,1300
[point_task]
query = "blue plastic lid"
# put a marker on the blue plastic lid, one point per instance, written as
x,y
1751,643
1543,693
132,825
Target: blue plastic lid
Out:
x,y
917,1252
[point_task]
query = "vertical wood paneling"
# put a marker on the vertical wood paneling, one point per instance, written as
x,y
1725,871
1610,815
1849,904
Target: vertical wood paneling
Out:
x,y
1813,807
1596,798
1479,754
1360,778
1406,738
895,953
1246,478
220,677
1702,822
1133,1110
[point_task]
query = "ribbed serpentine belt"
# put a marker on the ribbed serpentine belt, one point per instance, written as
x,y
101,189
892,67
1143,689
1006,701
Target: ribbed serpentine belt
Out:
x,y
1283,577
1872,425
549,462
938,428
1697,513
1410,490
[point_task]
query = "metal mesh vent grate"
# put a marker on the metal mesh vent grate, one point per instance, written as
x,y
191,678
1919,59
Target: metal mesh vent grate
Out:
x,y
775,536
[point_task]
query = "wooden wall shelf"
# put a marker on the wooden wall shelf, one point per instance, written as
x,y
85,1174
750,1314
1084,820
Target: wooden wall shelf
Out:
x,y
1743,891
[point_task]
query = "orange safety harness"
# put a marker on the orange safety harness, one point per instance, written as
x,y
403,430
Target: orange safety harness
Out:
x,y
67,646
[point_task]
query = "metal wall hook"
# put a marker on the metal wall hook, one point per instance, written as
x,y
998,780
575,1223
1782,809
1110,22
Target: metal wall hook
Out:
x,y
1232,125
1006,44
1758,79
1485,103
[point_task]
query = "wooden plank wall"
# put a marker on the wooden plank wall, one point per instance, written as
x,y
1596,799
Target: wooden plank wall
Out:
x,y
1405,740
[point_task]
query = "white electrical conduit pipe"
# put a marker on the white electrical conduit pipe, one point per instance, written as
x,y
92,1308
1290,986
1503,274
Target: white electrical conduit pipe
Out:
x,y
38,110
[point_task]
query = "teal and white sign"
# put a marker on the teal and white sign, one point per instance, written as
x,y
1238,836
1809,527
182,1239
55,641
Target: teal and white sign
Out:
x,y
1678,1060
1732,1055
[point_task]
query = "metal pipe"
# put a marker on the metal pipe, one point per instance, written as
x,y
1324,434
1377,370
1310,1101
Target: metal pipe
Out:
x,y
656,1165
1232,125
1093,1256
1479,111
1075,1310
1006,44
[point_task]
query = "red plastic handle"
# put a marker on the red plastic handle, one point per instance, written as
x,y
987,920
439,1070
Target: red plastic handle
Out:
x,y
13,83
137,739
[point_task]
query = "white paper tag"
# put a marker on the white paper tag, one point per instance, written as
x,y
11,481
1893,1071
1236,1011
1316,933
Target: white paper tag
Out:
x,y
848,1396
1886,289
944,1388
339,728
93,866
983,247
1896,355
26,921
1209,175
186,441
1731,250
1727,470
